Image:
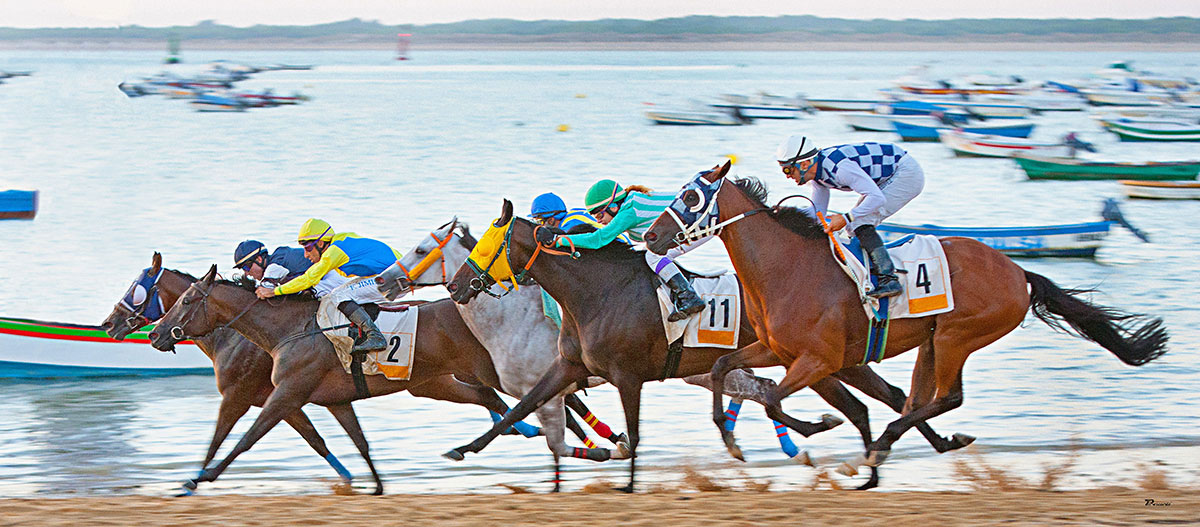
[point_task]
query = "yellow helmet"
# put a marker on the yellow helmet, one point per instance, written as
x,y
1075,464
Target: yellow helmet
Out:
x,y
315,229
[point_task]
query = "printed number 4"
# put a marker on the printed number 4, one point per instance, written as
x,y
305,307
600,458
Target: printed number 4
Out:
x,y
923,278
712,313
395,343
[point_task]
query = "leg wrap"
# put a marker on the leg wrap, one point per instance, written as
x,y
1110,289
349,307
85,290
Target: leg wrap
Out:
x,y
785,440
731,414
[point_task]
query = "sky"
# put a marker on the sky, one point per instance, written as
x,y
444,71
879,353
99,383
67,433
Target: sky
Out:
x,y
158,13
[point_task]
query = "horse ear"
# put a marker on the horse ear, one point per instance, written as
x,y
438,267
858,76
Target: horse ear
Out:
x,y
505,214
724,169
155,263
211,275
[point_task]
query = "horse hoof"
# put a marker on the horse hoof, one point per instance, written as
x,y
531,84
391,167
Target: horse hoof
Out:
x,y
831,421
454,455
847,469
185,493
627,489
735,451
962,440
804,459
876,457
623,451
189,485
622,439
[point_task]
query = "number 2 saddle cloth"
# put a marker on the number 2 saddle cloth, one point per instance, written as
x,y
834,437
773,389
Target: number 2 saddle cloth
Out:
x,y
399,328
926,283
718,324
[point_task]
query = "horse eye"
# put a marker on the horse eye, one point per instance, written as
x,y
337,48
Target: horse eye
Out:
x,y
691,198
422,251
187,301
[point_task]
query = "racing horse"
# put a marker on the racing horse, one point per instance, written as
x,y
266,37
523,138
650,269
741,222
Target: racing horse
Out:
x,y
808,315
523,341
610,288
243,370
306,368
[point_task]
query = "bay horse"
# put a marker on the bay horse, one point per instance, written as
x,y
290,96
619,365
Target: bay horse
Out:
x,y
808,316
523,341
243,371
305,367
611,327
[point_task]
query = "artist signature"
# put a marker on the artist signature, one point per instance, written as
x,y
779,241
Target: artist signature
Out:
x,y
1150,502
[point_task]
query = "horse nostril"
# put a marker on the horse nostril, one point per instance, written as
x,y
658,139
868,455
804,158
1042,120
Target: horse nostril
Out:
x,y
379,280
106,326
153,335
650,236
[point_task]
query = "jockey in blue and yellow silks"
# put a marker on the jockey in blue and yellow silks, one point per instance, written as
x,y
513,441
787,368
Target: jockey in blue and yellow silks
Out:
x,y
339,258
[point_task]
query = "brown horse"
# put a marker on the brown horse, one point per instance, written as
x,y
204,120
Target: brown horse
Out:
x,y
808,315
243,372
305,367
612,328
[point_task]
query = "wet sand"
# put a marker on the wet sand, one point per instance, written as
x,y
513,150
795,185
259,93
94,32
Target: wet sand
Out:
x,y
826,507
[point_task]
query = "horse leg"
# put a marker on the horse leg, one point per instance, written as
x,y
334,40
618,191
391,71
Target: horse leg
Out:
x,y
232,408
803,372
299,421
575,404
557,378
836,394
449,388
756,354
344,413
289,396
741,385
631,402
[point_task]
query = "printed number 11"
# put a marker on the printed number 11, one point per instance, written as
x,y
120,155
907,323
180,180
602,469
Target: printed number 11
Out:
x,y
712,312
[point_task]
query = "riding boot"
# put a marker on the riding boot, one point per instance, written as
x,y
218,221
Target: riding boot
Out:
x,y
881,262
687,302
360,318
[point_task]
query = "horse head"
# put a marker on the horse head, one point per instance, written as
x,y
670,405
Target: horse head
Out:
x,y
425,265
190,316
488,264
692,215
141,304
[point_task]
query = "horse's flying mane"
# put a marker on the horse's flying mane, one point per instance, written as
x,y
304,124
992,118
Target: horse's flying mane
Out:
x,y
794,219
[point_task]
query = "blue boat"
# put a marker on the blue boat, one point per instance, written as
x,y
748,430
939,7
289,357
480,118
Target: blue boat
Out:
x,y
914,132
1075,239
18,204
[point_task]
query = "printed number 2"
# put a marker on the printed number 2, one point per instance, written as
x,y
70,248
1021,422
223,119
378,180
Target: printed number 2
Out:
x,y
923,278
395,342
712,312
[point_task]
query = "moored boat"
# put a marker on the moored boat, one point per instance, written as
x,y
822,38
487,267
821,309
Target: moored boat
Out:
x,y
36,349
1075,169
1161,189
18,204
845,105
708,116
1153,130
215,103
764,105
983,145
914,132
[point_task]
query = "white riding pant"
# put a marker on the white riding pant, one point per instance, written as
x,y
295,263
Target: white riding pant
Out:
x,y
360,289
664,265
905,184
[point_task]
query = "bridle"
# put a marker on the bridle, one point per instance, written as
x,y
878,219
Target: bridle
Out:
x,y
177,332
427,262
483,280
698,230
137,317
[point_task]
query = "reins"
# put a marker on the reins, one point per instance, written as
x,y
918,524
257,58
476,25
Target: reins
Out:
x,y
483,276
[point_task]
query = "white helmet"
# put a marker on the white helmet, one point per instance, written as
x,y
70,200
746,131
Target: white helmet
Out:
x,y
795,149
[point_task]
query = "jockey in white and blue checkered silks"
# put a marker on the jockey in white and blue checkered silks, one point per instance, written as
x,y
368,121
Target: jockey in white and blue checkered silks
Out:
x,y
885,175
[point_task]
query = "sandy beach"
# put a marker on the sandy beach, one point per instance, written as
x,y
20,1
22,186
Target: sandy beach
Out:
x,y
1025,507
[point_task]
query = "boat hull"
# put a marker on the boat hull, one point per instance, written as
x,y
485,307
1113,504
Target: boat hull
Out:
x,y
35,349
981,145
911,132
18,204
1161,189
1074,240
1068,169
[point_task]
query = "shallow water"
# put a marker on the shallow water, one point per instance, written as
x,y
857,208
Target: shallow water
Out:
x,y
392,150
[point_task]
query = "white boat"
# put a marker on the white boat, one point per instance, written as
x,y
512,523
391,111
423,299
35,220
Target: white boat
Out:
x,y
981,145
36,349
698,116
1161,189
764,105
880,122
1111,97
845,105
1181,113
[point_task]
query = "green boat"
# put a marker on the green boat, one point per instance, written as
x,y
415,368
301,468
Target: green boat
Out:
x,y
1075,169
1133,130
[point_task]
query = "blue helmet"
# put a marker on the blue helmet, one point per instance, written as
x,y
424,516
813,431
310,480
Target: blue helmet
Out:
x,y
246,251
548,205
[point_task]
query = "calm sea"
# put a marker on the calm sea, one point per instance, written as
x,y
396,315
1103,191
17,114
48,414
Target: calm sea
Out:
x,y
391,150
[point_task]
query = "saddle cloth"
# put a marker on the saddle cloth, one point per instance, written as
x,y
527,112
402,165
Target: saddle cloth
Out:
x,y
717,326
398,327
926,284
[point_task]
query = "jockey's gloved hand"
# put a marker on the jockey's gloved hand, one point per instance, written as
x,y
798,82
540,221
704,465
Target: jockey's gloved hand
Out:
x,y
545,237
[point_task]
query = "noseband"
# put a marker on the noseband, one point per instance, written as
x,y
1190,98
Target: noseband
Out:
x,y
406,281
177,332
482,283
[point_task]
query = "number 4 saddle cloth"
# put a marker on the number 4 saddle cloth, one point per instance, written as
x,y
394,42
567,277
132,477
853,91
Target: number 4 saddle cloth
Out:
x,y
926,280
718,324
399,327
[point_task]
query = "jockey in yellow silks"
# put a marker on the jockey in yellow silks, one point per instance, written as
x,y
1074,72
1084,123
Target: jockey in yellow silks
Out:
x,y
340,258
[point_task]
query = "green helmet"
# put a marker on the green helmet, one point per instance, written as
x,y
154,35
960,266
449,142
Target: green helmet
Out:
x,y
602,194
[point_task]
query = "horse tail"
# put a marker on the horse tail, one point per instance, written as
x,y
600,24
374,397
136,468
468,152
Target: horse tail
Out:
x,y
1135,339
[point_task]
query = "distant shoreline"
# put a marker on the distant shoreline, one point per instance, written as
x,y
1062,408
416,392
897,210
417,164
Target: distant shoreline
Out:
x,y
613,42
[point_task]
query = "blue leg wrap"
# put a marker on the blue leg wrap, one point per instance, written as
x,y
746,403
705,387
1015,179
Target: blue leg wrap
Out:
x,y
339,468
731,414
521,427
785,440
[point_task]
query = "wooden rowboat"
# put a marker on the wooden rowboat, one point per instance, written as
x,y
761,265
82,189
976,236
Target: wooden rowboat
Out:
x,y
1074,169
915,132
1161,189
36,349
18,204
845,105
982,145
1153,130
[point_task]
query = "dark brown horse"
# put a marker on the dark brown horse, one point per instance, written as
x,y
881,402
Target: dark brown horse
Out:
x,y
808,314
243,372
305,367
612,328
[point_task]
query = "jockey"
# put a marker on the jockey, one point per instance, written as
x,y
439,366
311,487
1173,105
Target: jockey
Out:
x,y
277,267
548,209
884,174
631,211
340,258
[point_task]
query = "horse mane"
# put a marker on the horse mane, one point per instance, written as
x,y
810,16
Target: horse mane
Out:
x,y
249,284
794,219
639,188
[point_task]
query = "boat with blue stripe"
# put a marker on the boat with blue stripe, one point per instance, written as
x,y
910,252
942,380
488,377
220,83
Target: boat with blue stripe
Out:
x,y
39,349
